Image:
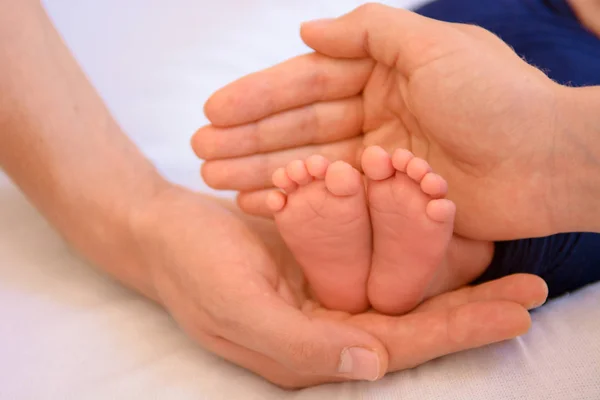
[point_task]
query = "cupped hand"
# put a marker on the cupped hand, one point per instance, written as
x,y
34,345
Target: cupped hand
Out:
x,y
453,94
232,285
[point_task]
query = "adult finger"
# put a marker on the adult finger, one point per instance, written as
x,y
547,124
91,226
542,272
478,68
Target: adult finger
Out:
x,y
461,320
316,346
529,291
392,36
233,174
262,365
312,124
255,203
295,83
466,318
419,337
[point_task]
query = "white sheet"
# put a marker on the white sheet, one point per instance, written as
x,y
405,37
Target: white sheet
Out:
x,y
67,332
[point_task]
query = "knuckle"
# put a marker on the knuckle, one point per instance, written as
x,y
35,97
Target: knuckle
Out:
x,y
318,77
259,138
319,81
309,123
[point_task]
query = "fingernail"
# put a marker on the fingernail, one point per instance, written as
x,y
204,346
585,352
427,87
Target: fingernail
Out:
x,y
359,364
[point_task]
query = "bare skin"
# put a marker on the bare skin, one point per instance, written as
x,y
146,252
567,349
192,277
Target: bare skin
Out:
x,y
588,12
455,95
387,246
324,220
216,270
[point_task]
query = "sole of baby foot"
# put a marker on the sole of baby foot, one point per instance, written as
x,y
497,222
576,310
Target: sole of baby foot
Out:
x,y
412,225
324,220
464,262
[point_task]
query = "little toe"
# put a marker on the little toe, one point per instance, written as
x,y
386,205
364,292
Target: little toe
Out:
x,y
283,181
434,185
377,164
276,201
298,172
342,179
317,166
441,210
401,158
417,168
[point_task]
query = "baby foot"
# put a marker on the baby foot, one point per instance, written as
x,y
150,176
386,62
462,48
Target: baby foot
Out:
x,y
412,226
324,220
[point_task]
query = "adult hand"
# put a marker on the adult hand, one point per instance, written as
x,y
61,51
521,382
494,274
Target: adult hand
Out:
x,y
588,12
453,94
232,285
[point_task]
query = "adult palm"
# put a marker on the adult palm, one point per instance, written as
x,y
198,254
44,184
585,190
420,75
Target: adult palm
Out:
x,y
455,95
237,291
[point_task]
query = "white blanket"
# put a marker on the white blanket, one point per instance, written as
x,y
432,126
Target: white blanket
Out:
x,y
67,332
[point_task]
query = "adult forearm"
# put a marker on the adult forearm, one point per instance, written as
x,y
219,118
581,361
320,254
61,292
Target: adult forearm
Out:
x,y
63,149
577,151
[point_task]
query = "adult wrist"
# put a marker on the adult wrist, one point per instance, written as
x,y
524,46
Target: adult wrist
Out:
x,y
156,231
576,158
113,243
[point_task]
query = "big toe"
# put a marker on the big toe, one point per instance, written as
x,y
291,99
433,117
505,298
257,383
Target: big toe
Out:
x,y
342,179
376,163
441,210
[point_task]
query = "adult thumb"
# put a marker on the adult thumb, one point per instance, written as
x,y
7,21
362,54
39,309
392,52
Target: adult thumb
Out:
x,y
312,345
392,36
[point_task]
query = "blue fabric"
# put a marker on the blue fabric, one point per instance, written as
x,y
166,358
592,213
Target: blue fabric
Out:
x,y
548,35
566,262
544,32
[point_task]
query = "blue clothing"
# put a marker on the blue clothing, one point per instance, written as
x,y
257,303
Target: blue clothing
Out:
x,y
566,262
547,34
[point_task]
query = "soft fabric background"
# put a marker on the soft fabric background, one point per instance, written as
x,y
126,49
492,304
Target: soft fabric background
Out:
x,y
67,332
